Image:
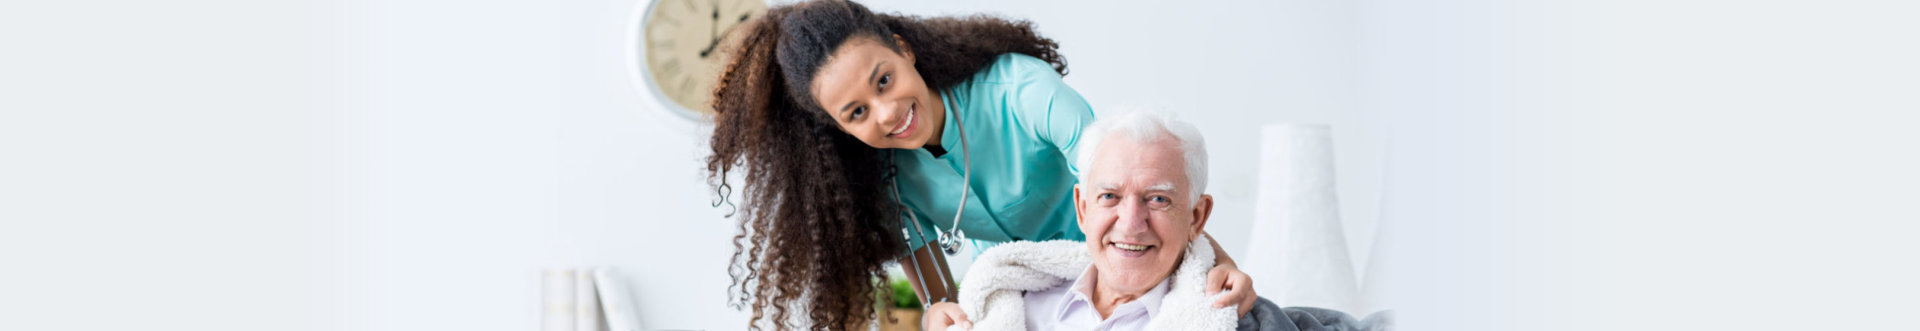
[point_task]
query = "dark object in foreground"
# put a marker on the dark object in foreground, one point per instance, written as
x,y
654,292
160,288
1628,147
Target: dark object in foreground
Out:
x,y
1267,316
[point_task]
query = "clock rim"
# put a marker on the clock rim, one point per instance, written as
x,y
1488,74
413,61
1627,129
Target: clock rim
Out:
x,y
638,72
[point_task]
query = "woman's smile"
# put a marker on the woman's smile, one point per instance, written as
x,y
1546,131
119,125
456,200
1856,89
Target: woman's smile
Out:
x,y
906,126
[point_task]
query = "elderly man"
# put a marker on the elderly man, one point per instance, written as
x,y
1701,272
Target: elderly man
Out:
x,y
1144,263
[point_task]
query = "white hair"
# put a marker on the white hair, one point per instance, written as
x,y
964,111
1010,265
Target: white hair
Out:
x,y
1147,127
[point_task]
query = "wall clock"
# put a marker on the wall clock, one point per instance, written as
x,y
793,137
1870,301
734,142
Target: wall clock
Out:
x,y
676,46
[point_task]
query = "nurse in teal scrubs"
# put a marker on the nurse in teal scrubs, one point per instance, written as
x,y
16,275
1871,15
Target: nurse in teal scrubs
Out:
x,y
858,134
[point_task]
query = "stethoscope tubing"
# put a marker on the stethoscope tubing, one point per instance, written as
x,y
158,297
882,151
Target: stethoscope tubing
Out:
x,y
948,244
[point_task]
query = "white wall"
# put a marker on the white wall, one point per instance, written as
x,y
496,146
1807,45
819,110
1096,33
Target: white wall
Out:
x,y
1609,165
156,175
493,139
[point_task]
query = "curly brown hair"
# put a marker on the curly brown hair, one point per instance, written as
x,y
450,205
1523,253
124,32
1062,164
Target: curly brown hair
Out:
x,y
814,232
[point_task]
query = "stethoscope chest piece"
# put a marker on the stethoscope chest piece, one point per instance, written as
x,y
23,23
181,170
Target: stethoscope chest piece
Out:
x,y
952,244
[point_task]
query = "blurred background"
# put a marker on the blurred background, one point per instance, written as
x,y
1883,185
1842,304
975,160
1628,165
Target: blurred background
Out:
x,y
415,164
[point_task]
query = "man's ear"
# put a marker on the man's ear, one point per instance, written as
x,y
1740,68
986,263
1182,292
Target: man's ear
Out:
x,y
901,44
1079,208
1201,211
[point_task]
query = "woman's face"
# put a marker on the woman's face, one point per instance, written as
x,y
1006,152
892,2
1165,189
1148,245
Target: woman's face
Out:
x,y
876,95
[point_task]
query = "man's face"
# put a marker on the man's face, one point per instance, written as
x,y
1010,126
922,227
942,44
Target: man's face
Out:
x,y
1137,212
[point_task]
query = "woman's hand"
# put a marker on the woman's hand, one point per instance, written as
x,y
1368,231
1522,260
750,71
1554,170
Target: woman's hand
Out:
x,y
946,314
1238,285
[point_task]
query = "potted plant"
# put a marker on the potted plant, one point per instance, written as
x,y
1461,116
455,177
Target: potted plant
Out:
x,y
901,308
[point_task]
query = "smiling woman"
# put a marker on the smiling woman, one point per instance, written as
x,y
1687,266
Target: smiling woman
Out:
x,y
814,230
880,95
882,99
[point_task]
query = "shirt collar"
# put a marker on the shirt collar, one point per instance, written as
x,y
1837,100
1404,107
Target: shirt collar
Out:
x,y
1082,291
949,135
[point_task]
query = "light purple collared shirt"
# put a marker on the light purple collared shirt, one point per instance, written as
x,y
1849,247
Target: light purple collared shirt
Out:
x,y
1071,308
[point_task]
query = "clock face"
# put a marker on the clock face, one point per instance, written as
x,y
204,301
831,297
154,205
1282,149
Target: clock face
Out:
x,y
681,43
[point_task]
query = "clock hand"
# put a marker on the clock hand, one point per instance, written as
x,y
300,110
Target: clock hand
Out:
x,y
716,40
714,29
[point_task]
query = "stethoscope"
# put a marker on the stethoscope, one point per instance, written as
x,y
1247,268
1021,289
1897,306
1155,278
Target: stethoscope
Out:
x,y
950,240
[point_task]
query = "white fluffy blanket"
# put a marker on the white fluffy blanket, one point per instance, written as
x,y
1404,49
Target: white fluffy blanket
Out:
x,y
992,293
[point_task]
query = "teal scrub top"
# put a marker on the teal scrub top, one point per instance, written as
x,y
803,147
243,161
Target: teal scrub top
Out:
x,y
1022,128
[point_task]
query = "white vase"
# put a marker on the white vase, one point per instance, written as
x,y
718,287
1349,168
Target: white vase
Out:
x,y
1297,253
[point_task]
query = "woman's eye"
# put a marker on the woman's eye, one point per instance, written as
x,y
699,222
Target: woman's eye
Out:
x,y
884,79
857,111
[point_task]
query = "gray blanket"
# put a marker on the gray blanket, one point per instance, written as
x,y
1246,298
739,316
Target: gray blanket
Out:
x,y
1267,316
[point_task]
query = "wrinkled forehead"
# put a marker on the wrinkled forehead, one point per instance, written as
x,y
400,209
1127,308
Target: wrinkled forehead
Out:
x,y
1131,164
